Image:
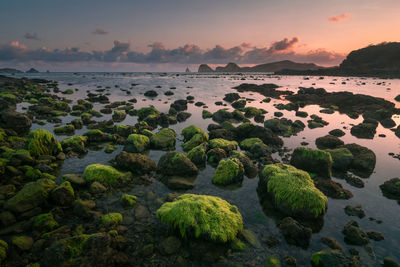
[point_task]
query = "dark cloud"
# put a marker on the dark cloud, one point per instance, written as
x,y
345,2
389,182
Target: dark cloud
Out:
x,y
340,17
31,36
121,52
99,31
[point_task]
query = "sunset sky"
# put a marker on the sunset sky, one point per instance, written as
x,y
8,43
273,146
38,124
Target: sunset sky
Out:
x,y
128,35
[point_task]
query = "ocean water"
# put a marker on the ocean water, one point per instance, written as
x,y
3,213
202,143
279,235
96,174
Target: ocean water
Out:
x,y
209,88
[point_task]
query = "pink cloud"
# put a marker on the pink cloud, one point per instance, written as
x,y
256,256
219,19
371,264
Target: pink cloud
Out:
x,y
340,17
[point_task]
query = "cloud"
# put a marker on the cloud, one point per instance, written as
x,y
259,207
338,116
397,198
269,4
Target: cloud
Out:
x,y
122,52
32,36
99,31
340,17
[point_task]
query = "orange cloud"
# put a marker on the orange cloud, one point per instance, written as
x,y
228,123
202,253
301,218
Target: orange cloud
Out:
x,y
340,17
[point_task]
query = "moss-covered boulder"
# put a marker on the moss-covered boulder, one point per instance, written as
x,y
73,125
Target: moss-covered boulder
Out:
x,y
147,111
42,142
206,114
44,223
128,200
292,191
137,143
214,155
229,171
222,115
202,216
248,143
312,160
104,174
164,139
332,257
190,131
75,144
63,194
223,144
65,130
341,157
328,142
364,160
22,243
3,250
176,164
32,195
96,136
391,188
111,219
118,115
198,155
135,163
250,168
196,140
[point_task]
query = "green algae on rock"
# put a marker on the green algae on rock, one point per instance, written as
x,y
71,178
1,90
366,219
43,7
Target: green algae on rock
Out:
x,y
111,219
164,139
223,144
292,190
248,143
45,222
103,173
312,160
341,157
198,155
128,200
42,142
75,144
202,216
176,164
229,171
137,143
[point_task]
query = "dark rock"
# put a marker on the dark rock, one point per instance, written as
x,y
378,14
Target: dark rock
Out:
x,y
364,160
354,211
135,162
354,235
295,233
328,141
151,93
176,164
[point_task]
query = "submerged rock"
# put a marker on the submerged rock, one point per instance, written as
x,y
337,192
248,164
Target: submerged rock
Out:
x,y
354,235
202,216
295,233
292,191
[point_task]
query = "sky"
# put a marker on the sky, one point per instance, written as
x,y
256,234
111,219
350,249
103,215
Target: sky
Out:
x,y
168,35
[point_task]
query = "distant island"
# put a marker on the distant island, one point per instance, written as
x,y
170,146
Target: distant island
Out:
x,y
268,67
32,70
10,71
374,60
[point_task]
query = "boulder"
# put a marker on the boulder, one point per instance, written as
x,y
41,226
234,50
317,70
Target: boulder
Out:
x,y
137,143
63,194
342,158
312,160
42,142
104,174
229,171
176,164
135,163
328,141
164,139
364,160
295,233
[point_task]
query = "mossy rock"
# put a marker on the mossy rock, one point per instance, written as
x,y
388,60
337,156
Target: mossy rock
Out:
x,y
135,163
75,144
3,250
198,155
123,130
65,130
328,142
23,243
364,160
202,216
292,191
111,219
63,194
248,143
128,200
137,143
332,257
250,168
214,155
32,195
312,160
341,157
196,140
42,142
164,139
104,174
190,131
223,144
222,115
229,171
118,115
96,135
33,174
147,111
206,114
176,164
44,223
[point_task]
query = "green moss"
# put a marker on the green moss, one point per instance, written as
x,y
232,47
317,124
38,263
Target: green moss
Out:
x,y
68,92
111,219
250,112
137,143
33,174
248,143
190,131
67,129
163,139
103,174
195,140
312,160
315,258
294,188
146,132
238,245
228,171
128,200
273,262
206,114
76,144
3,250
42,142
224,144
22,242
3,135
119,115
198,155
144,112
202,215
45,222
